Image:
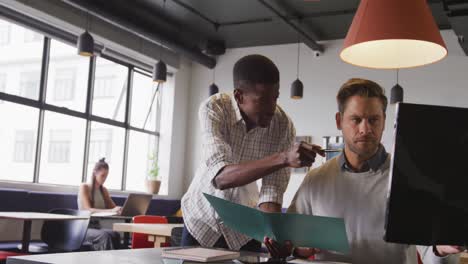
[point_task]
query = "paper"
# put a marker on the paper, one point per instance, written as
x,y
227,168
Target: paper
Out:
x,y
103,214
303,230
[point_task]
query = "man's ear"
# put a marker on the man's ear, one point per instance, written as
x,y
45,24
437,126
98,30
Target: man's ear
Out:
x,y
239,96
338,120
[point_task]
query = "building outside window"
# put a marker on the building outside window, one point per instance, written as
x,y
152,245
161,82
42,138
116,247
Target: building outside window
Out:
x,y
59,146
29,84
100,144
31,36
3,80
24,146
64,84
4,34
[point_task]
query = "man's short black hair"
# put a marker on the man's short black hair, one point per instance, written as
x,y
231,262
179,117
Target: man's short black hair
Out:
x,y
255,69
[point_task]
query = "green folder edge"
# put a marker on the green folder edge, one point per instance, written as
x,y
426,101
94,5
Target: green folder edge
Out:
x,y
327,233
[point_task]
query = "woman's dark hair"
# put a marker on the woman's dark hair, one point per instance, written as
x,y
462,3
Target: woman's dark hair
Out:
x,y
100,165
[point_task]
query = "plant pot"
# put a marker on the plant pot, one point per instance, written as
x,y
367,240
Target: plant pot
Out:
x,y
153,186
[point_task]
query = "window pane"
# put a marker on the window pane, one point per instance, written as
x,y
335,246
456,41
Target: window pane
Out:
x,y
143,94
20,63
18,141
107,142
110,90
67,83
141,151
62,149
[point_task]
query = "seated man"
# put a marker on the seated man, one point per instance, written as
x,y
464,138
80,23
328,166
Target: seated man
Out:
x,y
354,185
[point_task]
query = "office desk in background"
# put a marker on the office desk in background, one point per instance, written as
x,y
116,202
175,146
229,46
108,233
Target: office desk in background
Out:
x,y
28,217
157,232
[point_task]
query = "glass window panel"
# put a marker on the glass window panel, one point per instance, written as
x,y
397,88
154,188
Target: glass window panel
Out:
x,y
24,145
20,62
107,142
5,28
31,36
64,84
67,83
18,141
62,149
3,79
141,150
145,103
110,90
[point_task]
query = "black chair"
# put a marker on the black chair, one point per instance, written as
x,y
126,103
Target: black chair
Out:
x,y
176,236
65,236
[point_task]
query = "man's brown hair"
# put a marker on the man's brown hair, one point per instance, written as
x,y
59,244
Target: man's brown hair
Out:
x,y
360,87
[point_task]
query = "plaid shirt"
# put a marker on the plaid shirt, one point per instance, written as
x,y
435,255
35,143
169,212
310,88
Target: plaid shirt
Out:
x,y
226,141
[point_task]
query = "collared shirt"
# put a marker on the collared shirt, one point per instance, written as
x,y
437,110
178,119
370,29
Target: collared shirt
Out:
x,y
374,163
226,141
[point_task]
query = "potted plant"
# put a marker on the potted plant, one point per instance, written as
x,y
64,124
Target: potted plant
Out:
x,y
152,182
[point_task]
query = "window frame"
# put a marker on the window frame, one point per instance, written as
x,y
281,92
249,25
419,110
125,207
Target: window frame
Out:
x,y
42,106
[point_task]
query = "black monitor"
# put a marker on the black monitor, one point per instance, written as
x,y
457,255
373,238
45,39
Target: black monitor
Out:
x,y
428,185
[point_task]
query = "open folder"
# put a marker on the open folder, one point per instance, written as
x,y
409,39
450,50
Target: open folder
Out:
x,y
327,233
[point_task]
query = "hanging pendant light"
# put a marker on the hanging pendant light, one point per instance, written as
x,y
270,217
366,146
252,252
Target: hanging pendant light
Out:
x,y
85,42
297,88
213,89
160,68
160,72
391,34
396,94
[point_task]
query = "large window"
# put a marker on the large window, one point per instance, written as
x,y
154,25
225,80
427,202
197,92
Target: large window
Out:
x,y
145,102
110,90
72,134
107,142
29,84
24,146
141,153
67,78
62,149
64,84
4,33
18,140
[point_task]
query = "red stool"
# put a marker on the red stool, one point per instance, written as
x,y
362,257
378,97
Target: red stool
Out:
x,y
5,254
140,240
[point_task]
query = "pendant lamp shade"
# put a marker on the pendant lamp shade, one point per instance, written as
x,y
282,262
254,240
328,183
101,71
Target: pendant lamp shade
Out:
x,y
396,94
160,72
391,34
297,89
85,44
213,89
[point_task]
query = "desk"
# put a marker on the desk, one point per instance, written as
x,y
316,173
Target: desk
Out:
x,y
157,232
125,256
126,219
28,217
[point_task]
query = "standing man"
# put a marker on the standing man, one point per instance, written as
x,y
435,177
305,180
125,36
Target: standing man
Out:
x,y
354,185
245,137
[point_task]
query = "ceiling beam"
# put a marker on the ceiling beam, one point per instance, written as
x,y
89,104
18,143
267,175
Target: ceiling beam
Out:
x,y
310,41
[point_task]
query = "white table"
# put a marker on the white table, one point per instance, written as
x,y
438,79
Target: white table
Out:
x,y
126,256
158,233
28,217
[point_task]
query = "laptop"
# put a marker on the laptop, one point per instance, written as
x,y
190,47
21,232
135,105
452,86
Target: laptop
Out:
x,y
428,188
136,204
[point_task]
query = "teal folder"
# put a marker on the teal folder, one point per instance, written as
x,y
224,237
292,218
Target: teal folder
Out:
x,y
327,233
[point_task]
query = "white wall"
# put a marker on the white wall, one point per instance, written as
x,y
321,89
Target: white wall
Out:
x,y
443,83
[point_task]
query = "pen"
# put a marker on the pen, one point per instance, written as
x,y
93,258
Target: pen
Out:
x,y
332,150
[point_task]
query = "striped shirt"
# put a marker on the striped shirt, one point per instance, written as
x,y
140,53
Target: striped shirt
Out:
x,y
226,141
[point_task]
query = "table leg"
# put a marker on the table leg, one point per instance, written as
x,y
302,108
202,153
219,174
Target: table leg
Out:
x,y
126,235
158,240
26,236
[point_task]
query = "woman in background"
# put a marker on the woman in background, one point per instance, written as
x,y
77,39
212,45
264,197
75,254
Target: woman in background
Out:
x,y
95,198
